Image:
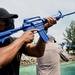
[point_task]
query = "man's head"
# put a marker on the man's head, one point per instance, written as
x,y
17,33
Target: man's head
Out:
x,y
6,20
51,38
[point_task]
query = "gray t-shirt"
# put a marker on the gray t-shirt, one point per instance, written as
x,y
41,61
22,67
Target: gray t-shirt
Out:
x,y
49,63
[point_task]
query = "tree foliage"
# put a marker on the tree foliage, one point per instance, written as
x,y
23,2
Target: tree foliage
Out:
x,y
69,37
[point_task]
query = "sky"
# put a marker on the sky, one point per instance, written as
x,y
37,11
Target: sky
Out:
x,y
43,8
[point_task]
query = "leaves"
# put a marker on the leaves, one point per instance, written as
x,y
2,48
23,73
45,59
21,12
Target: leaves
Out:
x,y
69,37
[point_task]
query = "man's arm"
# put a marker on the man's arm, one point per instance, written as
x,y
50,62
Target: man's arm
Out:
x,y
7,53
35,50
38,50
64,56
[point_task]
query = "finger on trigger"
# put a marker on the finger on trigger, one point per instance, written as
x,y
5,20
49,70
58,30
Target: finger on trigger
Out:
x,y
34,30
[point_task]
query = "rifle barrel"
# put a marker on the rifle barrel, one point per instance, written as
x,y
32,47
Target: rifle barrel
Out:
x,y
68,14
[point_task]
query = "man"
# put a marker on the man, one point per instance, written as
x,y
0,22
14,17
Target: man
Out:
x,y
11,49
49,63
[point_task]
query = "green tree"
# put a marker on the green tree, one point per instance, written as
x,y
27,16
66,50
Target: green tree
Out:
x,y
69,36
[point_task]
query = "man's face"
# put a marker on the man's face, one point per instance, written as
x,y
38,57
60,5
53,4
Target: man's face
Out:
x,y
2,25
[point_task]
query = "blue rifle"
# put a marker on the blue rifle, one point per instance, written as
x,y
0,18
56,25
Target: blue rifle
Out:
x,y
31,23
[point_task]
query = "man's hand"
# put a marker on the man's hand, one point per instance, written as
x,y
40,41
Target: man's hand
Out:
x,y
51,22
28,36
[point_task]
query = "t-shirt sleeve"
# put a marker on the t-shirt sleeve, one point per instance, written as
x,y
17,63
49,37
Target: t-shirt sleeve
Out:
x,y
64,55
